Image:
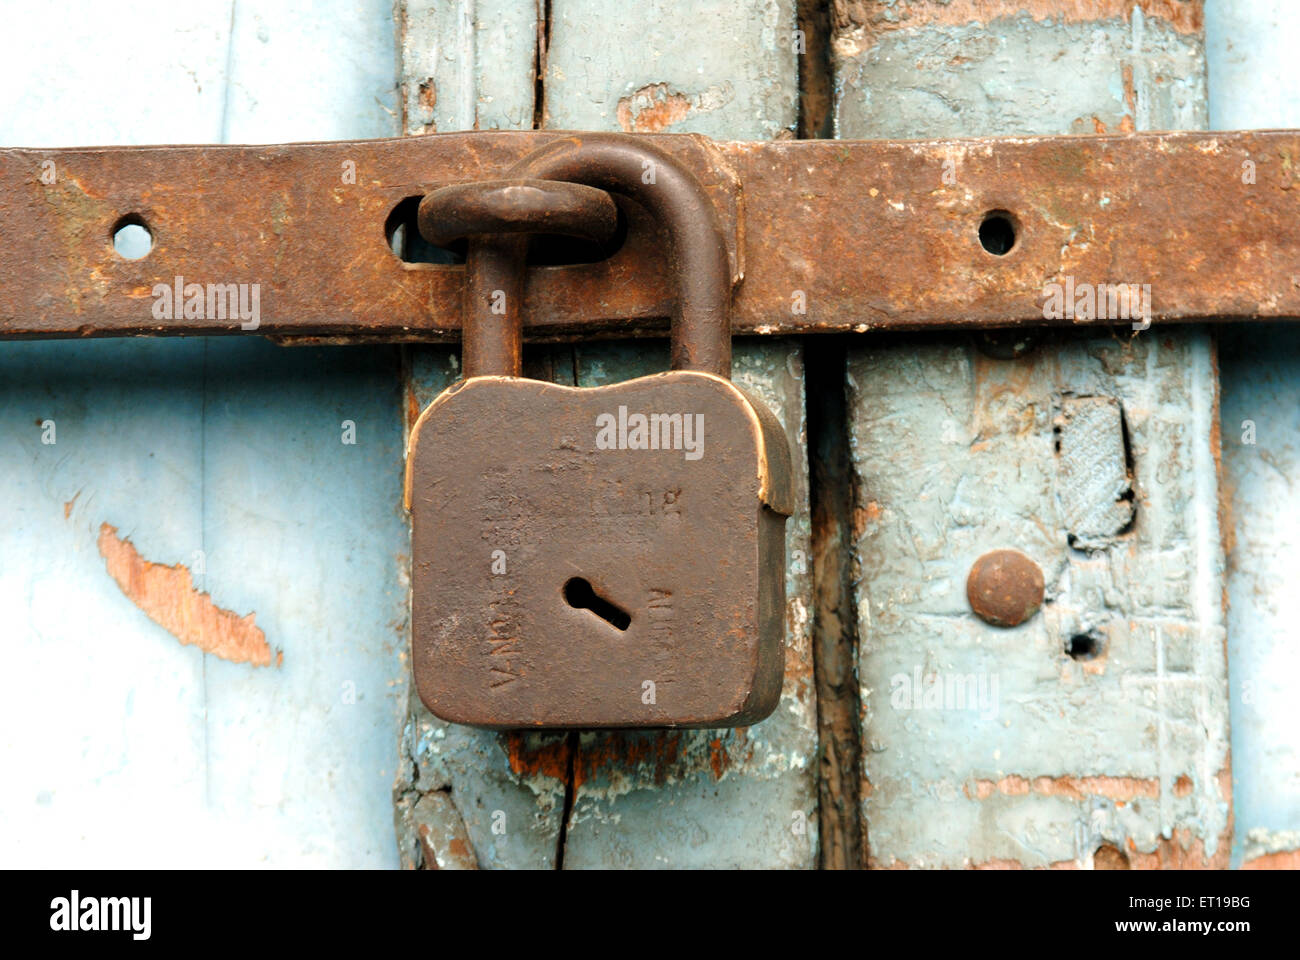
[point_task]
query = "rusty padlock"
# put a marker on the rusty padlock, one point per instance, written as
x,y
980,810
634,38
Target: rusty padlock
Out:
x,y
595,557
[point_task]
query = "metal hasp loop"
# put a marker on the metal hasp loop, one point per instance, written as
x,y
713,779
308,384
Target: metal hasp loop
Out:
x,y
494,267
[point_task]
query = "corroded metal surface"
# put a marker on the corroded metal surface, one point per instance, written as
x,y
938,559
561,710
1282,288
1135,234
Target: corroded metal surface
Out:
x,y
517,206
559,583
1005,588
571,566
888,238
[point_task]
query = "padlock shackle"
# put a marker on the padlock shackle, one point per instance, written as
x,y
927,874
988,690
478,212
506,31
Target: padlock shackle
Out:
x,y
492,324
493,215
697,250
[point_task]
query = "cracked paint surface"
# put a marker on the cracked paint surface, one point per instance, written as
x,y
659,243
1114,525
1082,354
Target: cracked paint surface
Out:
x,y
1010,72
1104,738
956,454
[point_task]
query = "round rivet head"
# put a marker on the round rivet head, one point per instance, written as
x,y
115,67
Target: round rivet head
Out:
x,y
1005,588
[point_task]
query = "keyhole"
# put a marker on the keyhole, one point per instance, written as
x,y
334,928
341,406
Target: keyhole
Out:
x,y
578,593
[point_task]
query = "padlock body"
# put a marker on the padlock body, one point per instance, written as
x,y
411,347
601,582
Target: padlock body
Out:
x,y
601,557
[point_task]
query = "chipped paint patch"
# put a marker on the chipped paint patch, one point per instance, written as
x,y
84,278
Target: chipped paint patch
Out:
x,y
1096,485
1076,788
1282,860
168,598
1185,16
652,108
444,841
655,107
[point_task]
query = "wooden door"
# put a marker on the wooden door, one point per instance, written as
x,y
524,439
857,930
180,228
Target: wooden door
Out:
x,y
206,561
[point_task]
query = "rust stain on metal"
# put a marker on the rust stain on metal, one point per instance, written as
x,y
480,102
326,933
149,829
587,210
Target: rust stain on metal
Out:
x,y
920,265
168,597
652,109
660,752
1005,588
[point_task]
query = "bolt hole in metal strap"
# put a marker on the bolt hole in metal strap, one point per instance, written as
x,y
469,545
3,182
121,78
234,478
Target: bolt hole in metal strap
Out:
x,y
560,189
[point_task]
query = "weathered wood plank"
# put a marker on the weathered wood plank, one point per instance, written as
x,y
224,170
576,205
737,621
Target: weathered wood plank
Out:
x,y
1063,760
162,754
467,66
712,798
1249,46
727,798
507,790
642,799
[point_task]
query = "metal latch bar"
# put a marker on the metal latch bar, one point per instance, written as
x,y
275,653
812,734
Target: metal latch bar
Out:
x,y
823,236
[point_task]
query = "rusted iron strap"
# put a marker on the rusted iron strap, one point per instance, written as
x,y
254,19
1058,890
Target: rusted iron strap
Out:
x,y
856,235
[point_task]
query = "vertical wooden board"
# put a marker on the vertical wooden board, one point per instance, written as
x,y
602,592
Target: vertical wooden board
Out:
x,y
468,66
223,464
1064,761
302,523
724,69
996,746
712,798
1250,47
507,790
1261,461
302,471
744,798
681,807
103,723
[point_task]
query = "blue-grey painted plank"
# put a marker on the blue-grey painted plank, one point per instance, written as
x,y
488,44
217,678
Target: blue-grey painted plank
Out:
x,y
470,65
1251,49
1059,761
505,792
741,798
224,457
722,798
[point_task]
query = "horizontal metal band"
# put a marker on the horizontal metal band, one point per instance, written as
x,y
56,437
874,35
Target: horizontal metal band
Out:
x,y
827,236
